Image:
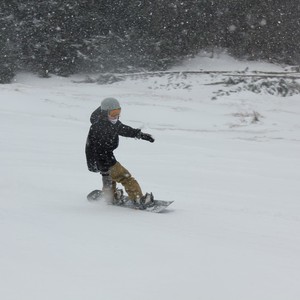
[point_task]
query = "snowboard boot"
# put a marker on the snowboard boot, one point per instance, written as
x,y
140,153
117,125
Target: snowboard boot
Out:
x,y
108,194
118,197
145,201
107,188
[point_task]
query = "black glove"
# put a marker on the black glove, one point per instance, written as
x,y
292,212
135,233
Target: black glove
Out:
x,y
146,137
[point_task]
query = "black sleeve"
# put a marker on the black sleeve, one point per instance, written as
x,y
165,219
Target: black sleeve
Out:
x,y
90,155
128,131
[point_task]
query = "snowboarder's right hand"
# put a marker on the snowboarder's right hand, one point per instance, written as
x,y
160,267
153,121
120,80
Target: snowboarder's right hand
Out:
x,y
147,137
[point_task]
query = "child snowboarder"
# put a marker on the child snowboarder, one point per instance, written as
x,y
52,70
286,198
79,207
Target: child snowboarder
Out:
x,y
102,140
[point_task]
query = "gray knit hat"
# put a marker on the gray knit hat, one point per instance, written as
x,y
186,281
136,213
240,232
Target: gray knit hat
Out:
x,y
110,104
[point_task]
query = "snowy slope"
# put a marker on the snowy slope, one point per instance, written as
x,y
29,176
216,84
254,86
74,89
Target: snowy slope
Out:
x,y
233,231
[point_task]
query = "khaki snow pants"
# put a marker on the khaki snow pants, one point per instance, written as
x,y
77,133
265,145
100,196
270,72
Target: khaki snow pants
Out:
x,y
119,174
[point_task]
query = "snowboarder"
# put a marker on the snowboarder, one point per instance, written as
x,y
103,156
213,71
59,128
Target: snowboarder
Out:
x,y
102,140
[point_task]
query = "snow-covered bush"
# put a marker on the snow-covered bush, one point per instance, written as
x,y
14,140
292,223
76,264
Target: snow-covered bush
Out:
x,y
283,87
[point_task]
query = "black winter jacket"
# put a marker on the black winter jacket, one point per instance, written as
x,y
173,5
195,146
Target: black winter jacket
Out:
x,y
103,139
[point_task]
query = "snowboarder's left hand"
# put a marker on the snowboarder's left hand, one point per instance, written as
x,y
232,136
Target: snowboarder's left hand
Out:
x,y
147,137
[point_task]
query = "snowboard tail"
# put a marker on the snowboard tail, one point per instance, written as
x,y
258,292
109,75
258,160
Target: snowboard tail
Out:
x,y
157,206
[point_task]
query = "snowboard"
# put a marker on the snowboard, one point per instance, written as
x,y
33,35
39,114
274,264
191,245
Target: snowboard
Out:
x,y
158,205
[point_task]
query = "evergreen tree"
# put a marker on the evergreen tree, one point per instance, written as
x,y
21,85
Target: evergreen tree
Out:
x,y
8,45
266,29
47,38
68,36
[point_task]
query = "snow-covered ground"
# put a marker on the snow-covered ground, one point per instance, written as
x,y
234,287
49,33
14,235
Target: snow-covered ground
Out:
x,y
232,233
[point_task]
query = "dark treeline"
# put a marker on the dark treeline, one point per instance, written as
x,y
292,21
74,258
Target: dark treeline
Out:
x,y
64,37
